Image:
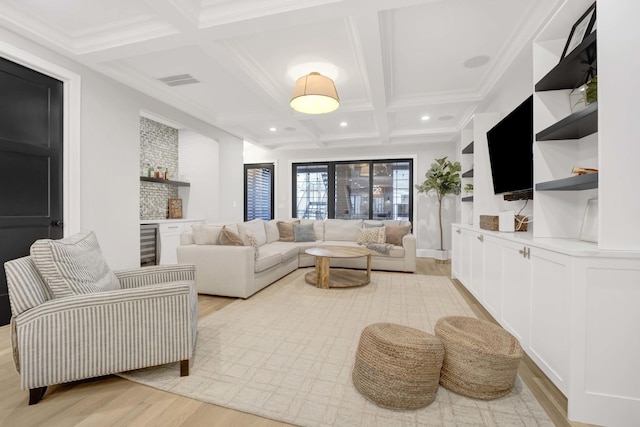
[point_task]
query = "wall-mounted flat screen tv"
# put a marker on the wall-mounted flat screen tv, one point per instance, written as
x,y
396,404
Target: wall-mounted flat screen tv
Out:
x,y
510,144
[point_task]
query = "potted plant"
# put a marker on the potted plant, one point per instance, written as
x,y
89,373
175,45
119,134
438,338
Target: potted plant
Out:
x,y
443,178
468,189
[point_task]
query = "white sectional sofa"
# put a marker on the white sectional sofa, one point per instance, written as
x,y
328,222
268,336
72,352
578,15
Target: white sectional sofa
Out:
x,y
240,271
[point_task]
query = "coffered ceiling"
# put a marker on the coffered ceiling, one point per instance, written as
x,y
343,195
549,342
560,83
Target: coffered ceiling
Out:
x,y
233,63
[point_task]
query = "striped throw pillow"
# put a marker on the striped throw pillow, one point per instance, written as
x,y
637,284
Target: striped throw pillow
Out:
x,y
73,265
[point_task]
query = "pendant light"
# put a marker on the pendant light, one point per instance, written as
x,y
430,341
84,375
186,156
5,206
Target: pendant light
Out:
x,y
314,94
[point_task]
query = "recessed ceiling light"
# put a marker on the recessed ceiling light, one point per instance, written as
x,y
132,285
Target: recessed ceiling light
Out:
x,y
290,129
445,118
476,61
273,129
425,118
343,124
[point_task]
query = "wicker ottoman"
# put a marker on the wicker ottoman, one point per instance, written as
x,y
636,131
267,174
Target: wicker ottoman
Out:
x,y
397,366
480,358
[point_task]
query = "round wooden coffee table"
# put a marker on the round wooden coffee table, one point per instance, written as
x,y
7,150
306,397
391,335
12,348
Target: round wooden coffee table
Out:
x,y
325,278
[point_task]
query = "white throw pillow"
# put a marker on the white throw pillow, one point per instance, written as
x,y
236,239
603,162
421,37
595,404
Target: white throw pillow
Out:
x,y
73,265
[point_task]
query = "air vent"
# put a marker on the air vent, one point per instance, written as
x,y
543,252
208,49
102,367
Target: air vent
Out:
x,y
179,80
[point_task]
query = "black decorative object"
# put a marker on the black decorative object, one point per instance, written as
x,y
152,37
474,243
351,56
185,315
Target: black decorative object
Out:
x,y
580,30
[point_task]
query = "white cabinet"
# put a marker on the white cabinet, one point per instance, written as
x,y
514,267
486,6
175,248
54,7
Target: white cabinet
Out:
x,y
571,306
551,282
516,290
492,294
456,252
170,239
527,290
476,283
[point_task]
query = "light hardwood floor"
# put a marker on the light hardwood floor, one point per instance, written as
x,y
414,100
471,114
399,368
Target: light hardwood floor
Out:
x,y
113,401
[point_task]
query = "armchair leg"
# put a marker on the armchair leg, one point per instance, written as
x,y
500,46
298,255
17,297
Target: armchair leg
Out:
x,y
184,368
35,394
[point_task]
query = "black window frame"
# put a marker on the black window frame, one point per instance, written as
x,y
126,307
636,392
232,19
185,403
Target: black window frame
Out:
x,y
271,168
331,195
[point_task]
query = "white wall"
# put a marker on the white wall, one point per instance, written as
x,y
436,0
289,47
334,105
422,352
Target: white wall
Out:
x,y
197,156
619,135
108,164
425,214
513,87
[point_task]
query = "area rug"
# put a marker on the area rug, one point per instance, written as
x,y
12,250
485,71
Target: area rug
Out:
x,y
287,354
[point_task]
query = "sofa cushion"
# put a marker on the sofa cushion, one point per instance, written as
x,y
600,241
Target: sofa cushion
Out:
x,y
269,257
256,227
369,223
395,234
286,230
73,265
271,230
206,234
371,235
342,229
229,238
303,233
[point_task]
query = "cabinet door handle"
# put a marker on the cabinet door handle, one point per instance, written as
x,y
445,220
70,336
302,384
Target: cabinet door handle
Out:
x,y
525,252
173,226
458,230
481,238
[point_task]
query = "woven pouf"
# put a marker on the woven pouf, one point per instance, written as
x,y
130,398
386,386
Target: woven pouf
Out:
x,y
397,366
480,358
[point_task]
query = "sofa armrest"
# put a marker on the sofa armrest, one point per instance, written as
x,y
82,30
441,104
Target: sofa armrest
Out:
x,y
89,335
409,244
221,270
145,276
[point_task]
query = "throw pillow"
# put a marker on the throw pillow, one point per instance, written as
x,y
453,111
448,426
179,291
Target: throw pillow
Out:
x,y
206,234
303,233
73,265
286,230
229,238
250,240
371,235
395,234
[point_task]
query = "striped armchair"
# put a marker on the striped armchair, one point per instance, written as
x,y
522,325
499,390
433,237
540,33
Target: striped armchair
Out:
x,y
151,319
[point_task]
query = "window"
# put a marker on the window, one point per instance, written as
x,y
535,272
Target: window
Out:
x,y
258,191
370,189
311,191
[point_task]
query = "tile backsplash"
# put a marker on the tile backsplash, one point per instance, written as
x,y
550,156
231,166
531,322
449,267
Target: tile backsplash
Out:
x,y
158,149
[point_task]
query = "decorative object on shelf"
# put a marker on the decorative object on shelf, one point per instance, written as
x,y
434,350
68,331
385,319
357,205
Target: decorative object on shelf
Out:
x,y
469,189
315,94
585,92
592,90
175,209
489,222
583,171
443,178
166,173
578,98
156,172
580,29
589,229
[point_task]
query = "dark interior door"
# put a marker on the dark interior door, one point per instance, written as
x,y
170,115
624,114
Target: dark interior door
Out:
x,y
30,162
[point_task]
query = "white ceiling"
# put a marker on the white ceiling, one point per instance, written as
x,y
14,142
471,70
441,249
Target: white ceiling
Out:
x,y
393,62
